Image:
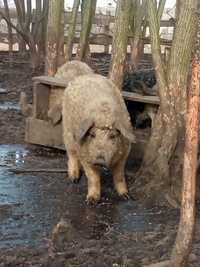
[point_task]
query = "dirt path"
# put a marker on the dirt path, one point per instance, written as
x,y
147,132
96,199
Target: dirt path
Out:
x,y
114,233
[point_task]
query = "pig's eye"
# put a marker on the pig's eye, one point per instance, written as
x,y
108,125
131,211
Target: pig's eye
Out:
x,y
114,135
92,135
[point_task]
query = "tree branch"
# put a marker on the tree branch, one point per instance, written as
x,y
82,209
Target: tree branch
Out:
x,y
28,14
161,9
156,53
19,31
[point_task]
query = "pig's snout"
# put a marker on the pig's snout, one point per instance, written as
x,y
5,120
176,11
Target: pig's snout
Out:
x,y
100,162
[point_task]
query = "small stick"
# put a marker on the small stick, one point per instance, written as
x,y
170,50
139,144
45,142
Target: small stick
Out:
x,y
18,171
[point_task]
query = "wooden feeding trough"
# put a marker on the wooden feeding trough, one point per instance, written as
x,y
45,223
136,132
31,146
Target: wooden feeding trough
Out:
x,y
47,92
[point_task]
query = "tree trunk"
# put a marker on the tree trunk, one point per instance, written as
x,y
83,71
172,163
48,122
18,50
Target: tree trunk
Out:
x,y
184,237
136,52
61,55
53,28
107,30
20,8
35,36
35,57
71,31
88,12
120,39
37,25
183,243
138,26
10,36
21,44
178,7
42,42
137,21
167,138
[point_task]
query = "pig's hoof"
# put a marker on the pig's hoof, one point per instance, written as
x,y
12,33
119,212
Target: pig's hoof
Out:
x,y
125,196
91,200
75,180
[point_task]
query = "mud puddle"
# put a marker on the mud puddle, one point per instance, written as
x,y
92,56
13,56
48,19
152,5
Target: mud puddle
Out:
x,y
9,105
32,203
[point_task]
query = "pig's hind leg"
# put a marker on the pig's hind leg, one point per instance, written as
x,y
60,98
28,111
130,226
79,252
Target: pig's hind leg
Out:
x,y
73,167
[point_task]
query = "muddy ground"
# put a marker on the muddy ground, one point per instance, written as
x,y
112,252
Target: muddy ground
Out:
x,y
44,220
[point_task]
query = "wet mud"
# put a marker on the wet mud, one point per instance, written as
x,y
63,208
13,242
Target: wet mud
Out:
x,y
44,220
32,204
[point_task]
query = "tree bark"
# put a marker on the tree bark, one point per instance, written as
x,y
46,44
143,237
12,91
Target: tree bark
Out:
x,y
178,7
167,138
71,31
20,8
183,242
53,35
137,21
184,237
120,39
10,36
61,55
42,45
88,12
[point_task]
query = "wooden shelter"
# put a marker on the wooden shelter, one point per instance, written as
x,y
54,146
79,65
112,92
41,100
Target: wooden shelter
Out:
x,y
47,93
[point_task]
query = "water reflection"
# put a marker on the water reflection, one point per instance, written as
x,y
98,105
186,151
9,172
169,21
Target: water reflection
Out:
x,y
12,154
9,105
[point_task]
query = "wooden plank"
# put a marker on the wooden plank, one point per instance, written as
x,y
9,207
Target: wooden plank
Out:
x,y
105,39
21,170
41,93
43,133
141,98
53,81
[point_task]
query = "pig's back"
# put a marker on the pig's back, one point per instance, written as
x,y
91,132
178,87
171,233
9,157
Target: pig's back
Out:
x,y
91,95
89,90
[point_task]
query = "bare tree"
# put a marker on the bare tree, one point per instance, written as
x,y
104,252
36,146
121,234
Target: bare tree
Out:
x,y
20,8
53,36
42,39
138,25
184,237
162,163
10,36
120,39
137,22
71,31
28,25
88,12
178,7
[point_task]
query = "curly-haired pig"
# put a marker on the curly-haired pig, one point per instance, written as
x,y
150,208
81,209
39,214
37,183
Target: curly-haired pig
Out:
x,y
97,132
67,72
72,69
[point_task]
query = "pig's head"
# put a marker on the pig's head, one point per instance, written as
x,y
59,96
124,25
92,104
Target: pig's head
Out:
x,y
101,145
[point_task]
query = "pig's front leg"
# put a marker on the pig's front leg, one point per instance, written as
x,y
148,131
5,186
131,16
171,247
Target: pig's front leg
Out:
x,y
119,178
94,186
73,167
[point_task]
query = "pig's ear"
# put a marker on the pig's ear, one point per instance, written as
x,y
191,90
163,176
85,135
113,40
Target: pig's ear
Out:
x,y
55,114
126,131
85,126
